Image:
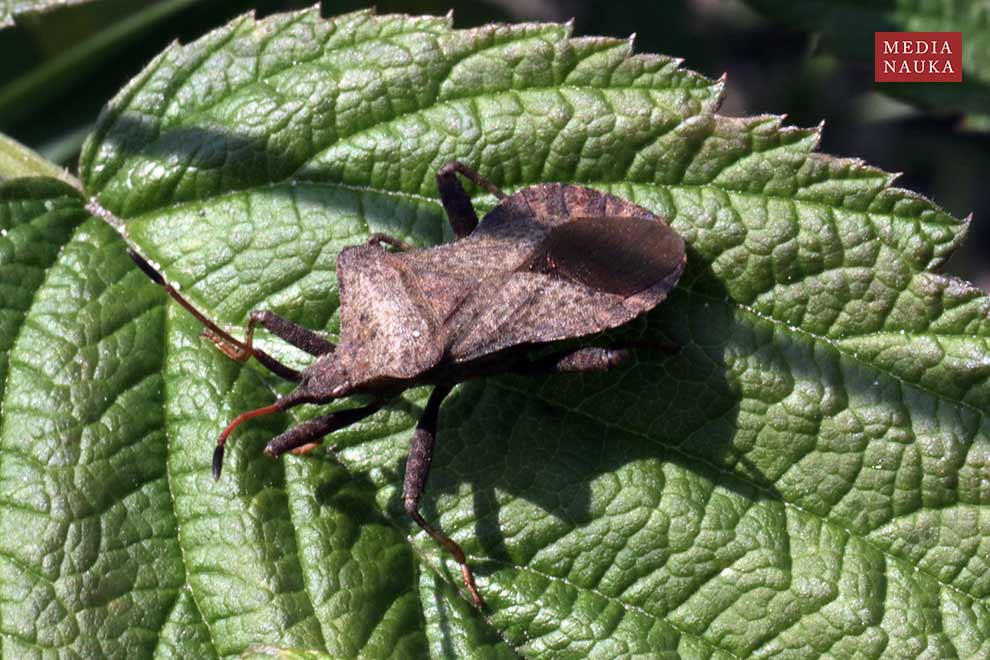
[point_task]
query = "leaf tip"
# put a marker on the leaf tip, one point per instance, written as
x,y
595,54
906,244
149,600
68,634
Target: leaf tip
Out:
x,y
816,133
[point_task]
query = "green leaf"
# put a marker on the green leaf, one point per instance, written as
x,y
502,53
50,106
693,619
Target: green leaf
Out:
x,y
850,24
261,652
805,476
37,217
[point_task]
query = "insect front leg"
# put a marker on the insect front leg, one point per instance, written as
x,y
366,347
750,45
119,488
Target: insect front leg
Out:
x,y
417,472
283,328
295,334
306,436
456,202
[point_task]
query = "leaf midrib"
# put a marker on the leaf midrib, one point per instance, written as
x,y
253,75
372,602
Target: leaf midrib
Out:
x,y
428,565
826,520
936,219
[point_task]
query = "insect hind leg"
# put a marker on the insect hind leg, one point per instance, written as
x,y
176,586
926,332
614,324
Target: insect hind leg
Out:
x,y
417,472
582,360
591,359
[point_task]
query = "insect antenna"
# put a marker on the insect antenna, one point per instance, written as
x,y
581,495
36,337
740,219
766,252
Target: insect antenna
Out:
x,y
212,327
229,345
278,406
295,398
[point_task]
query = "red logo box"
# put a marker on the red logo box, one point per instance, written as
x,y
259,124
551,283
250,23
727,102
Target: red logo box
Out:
x,y
917,57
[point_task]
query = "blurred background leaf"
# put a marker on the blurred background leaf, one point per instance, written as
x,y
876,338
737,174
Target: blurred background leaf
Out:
x,y
848,27
57,70
16,161
13,10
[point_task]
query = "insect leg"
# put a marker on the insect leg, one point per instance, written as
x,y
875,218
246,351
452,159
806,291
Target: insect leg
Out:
x,y
456,202
312,432
295,334
418,470
230,346
378,238
582,360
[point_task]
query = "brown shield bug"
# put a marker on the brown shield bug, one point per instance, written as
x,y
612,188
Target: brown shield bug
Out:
x,y
549,263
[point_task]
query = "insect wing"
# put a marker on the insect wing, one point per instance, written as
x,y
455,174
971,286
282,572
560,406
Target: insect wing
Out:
x,y
520,308
623,256
566,290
